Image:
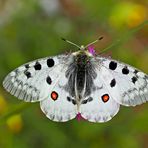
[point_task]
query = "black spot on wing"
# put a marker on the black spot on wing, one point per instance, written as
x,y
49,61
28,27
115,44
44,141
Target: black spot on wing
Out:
x,y
90,99
84,102
74,102
134,79
87,100
50,62
112,65
48,80
69,99
28,74
27,66
136,71
125,70
113,83
37,66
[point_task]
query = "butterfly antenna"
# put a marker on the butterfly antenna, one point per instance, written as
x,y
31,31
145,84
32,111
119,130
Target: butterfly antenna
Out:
x,y
70,42
100,38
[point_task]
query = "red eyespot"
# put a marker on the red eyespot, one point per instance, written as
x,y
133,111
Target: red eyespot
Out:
x,y
105,97
54,95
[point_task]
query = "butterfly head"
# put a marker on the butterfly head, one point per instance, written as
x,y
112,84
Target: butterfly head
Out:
x,y
82,47
89,50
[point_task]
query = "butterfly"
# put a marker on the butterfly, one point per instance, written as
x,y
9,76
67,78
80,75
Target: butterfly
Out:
x,y
77,83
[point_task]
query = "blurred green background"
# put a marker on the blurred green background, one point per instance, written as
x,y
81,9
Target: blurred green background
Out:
x,y
31,29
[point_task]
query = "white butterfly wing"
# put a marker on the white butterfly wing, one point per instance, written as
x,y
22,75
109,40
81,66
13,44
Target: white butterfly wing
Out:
x,y
100,105
29,81
25,82
126,84
58,107
44,80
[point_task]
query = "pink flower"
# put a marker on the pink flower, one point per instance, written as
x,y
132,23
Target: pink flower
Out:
x,y
91,50
79,117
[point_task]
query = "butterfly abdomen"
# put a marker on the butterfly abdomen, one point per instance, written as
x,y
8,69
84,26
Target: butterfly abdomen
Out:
x,y
81,61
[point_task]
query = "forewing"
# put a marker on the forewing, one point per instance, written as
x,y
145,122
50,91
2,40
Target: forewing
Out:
x,y
33,81
127,85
